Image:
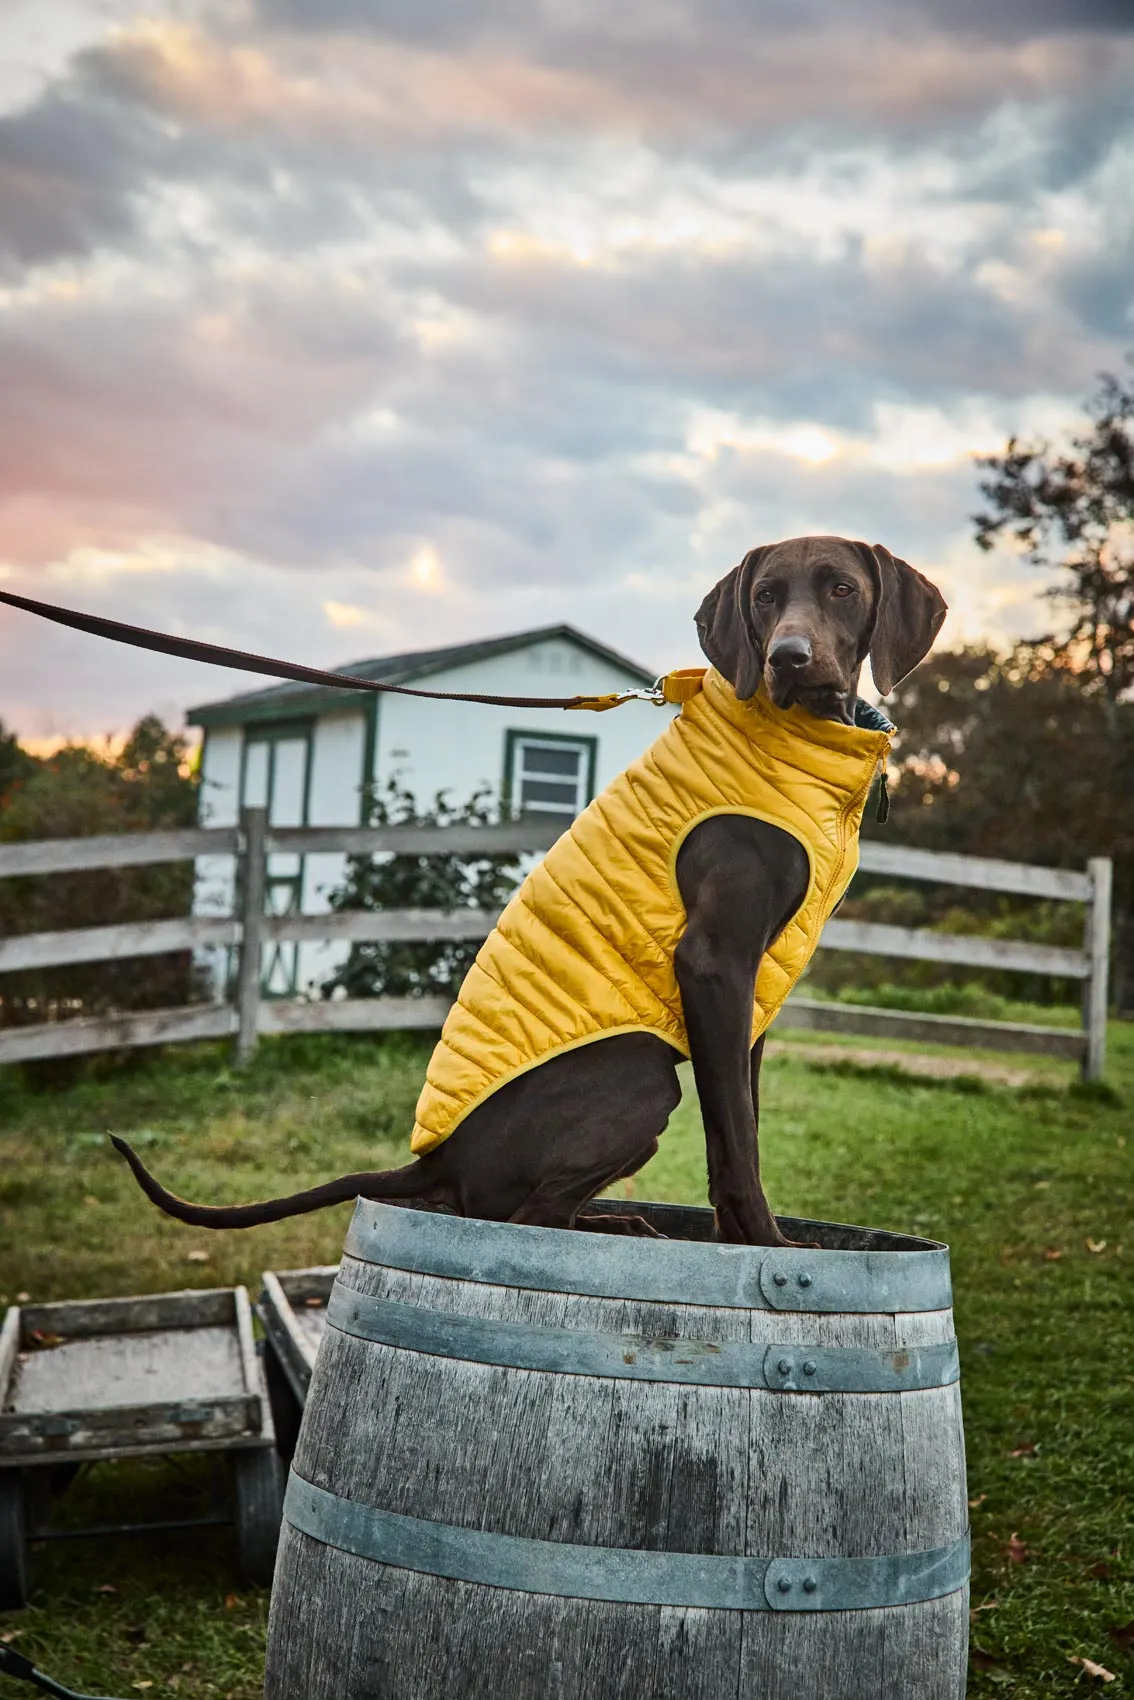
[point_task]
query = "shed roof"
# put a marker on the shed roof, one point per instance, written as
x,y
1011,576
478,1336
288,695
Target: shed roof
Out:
x,y
280,702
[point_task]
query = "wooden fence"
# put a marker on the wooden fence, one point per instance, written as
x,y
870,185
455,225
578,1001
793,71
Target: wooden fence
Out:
x,y
248,929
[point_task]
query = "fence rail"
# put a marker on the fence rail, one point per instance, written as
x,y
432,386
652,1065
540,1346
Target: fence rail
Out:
x,y
249,929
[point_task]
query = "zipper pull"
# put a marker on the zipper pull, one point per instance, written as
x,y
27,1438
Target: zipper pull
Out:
x,y
883,813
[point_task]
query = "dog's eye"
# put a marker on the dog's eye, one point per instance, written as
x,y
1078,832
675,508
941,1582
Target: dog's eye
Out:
x,y
842,590
765,594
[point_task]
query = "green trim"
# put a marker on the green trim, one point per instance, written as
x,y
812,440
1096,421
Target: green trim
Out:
x,y
514,736
240,778
303,705
293,726
308,770
369,754
201,781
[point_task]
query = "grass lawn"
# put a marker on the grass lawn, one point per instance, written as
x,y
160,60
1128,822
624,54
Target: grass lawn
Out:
x,y
1029,1184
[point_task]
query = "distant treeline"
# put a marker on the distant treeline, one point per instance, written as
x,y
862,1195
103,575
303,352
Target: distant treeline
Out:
x,y
1013,756
149,784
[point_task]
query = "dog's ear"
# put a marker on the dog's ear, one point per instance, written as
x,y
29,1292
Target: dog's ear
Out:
x,y
908,615
724,626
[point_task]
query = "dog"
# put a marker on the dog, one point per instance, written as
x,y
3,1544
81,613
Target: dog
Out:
x,y
684,898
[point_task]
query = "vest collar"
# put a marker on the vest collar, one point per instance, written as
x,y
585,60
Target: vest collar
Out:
x,y
800,735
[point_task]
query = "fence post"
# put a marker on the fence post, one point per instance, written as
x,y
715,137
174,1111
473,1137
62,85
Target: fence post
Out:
x,y
252,878
1096,943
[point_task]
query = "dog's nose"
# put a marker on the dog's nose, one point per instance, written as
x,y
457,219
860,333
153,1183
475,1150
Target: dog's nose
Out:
x,y
790,652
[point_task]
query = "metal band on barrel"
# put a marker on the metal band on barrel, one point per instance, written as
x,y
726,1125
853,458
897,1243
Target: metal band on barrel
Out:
x,y
506,1254
635,1357
566,1570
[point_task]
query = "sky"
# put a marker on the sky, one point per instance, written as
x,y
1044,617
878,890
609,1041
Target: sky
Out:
x,y
330,328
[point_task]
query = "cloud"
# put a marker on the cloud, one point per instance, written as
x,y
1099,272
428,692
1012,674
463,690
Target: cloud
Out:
x,y
323,325
452,22
65,172
714,77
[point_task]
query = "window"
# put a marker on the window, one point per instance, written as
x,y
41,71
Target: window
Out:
x,y
549,775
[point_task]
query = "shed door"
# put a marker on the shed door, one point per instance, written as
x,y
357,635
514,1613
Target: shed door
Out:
x,y
276,772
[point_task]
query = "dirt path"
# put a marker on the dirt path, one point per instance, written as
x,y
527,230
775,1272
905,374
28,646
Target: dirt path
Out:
x,y
935,1067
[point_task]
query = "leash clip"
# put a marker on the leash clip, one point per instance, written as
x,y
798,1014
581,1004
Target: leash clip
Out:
x,y
654,693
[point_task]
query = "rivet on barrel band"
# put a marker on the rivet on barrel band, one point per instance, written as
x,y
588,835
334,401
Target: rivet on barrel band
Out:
x,y
634,1357
566,1570
668,1271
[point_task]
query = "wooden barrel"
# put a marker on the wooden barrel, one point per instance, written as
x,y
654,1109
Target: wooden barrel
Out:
x,y
548,1465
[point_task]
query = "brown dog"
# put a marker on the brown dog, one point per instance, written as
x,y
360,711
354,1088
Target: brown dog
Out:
x,y
800,617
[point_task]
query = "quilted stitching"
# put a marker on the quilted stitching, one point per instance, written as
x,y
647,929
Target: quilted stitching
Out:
x,y
585,947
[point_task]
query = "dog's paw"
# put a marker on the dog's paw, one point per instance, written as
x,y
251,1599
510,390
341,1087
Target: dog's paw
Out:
x,y
637,1226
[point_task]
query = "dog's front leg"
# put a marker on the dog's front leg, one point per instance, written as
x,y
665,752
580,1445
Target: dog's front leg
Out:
x,y
740,881
716,992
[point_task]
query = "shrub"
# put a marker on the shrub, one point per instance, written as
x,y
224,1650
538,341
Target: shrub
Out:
x,y
444,881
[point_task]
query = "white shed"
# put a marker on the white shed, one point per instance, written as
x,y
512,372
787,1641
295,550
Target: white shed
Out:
x,y
307,754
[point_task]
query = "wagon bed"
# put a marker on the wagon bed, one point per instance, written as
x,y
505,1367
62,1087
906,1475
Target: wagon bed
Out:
x,y
86,1381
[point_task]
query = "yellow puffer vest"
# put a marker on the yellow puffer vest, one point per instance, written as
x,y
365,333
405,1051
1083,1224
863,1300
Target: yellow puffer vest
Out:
x,y
585,947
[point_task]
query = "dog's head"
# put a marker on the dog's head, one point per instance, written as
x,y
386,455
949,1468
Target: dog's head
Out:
x,y
803,615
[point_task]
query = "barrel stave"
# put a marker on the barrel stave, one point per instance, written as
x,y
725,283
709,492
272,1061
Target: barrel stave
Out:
x,y
927,1649
574,1458
821,1481
443,1640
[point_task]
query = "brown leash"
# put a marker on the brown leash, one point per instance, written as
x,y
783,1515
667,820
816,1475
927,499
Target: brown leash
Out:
x,y
674,687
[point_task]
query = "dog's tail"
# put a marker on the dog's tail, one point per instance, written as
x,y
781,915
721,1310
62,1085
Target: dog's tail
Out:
x,y
382,1184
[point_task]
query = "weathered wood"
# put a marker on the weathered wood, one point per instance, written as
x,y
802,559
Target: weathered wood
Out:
x,y
85,1319
386,925
982,873
9,1346
376,1015
293,1313
151,938
246,1344
353,1015
253,879
657,1466
91,1033
75,1431
305,1288
1096,944
111,944
968,950
115,1377
115,850
812,1015
533,834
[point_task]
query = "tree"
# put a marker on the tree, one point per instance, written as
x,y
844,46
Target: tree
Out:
x,y
1007,756
149,784
1073,509
445,881
16,765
